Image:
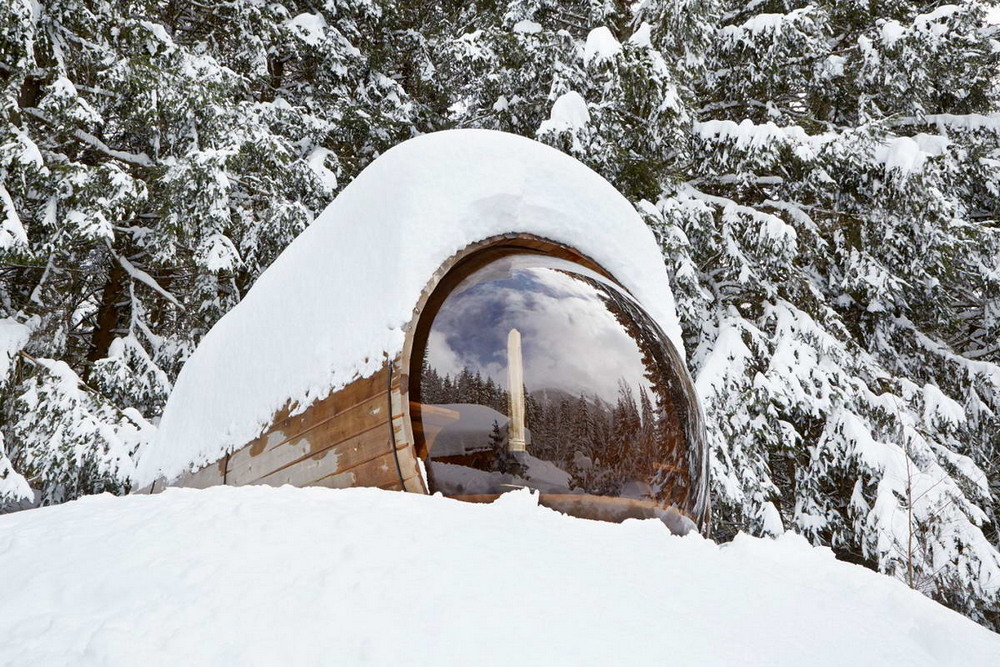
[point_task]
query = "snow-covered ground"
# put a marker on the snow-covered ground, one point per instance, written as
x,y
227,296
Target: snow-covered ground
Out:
x,y
255,575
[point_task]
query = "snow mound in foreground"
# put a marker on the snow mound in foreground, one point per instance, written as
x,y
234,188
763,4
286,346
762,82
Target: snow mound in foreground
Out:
x,y
256,575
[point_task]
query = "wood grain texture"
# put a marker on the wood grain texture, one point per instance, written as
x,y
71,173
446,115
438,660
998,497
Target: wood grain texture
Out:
x,y
334,439
284,427
335,459
411,478
211,475
379,472
409,468
252,463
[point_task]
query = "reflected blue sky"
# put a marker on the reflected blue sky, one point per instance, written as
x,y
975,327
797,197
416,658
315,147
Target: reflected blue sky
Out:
x,y
571,341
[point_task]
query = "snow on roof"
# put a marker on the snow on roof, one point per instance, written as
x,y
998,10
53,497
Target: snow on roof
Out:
x,y
466,429
334,305
363,576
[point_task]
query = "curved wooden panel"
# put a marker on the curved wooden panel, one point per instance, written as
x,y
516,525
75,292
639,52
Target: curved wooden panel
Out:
x,y
347,439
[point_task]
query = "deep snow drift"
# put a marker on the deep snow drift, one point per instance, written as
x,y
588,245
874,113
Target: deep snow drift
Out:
x,y
256,575
333,306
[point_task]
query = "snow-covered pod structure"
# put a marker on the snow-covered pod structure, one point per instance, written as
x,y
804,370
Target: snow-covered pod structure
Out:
x,y
476,312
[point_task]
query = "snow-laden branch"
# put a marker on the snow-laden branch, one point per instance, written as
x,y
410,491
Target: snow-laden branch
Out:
x,y
143,277
14,488
139,159
11,230
944,121
729,205
739,179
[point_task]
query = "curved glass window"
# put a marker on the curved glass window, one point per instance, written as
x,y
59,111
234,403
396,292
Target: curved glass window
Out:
x,y
537,372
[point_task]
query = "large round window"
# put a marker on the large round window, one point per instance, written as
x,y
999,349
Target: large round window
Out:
x,y
537,372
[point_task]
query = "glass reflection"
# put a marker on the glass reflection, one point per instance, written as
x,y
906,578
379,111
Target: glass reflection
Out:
x,y
540,373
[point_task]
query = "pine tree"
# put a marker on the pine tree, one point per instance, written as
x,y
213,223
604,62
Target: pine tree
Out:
x,y
150,173
504,460
15,491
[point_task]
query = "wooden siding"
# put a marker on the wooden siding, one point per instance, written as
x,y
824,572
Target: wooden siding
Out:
x,y
343,440
281,449
210,475
402,430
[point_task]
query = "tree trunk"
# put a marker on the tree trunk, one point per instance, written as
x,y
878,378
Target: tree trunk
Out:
x,y
107,316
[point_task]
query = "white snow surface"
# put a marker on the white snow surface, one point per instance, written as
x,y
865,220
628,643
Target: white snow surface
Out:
x,y
906,155
317,162
14,488
264,576
309,27
527,27
892,31
601,45
11,230
643,36
569,113
335,304
971,122
13,337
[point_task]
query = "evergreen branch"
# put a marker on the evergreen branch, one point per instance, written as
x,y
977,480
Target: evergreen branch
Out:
x,y
145,278
138,159
79,382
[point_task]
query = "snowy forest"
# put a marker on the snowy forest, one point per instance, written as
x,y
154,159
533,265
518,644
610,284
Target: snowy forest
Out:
x,y
573,432
823,179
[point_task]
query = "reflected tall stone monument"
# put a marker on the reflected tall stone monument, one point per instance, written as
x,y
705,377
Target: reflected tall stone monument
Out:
x,y
515,385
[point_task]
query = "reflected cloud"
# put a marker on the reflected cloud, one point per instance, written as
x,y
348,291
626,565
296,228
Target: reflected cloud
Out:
x,y
441,356
571,341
